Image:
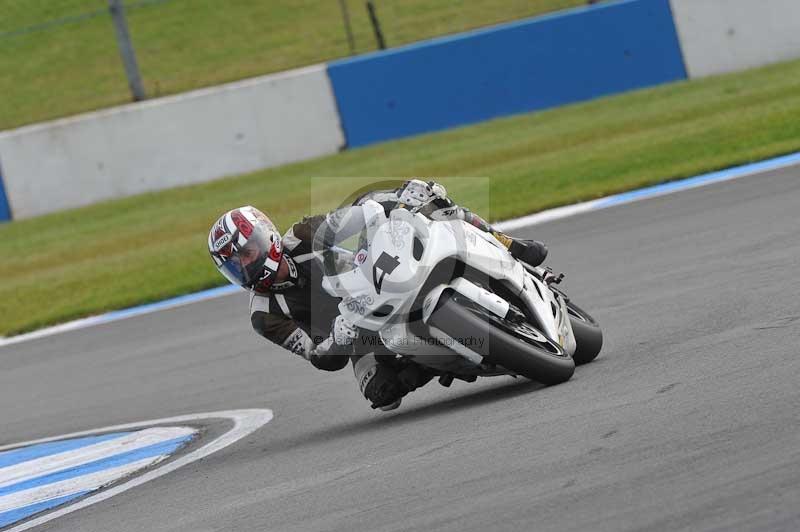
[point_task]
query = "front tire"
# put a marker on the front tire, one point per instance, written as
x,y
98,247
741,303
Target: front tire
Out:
x,y
517,347
588,335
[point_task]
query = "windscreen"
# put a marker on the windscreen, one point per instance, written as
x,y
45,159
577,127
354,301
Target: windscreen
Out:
x,y
342,240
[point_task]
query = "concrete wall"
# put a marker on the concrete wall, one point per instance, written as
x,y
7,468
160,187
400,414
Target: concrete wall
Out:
x,y
512,68
193,137
727,35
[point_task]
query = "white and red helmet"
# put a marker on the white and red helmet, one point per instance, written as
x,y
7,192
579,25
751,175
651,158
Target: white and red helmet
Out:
x,y
246,248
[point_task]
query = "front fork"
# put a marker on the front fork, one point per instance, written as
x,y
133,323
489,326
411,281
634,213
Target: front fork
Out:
x,y
563,333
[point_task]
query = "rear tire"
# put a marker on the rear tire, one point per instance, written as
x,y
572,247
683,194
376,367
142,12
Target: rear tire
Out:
x,y
588,335
526,352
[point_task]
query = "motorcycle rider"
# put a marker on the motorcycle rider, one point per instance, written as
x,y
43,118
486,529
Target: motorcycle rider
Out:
x,y
289,307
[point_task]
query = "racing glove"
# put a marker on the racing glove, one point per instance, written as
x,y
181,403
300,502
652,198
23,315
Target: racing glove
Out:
x,y
326,355
417,193
343,332
333,352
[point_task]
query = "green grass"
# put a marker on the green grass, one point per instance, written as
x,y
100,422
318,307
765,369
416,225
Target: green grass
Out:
x,y
140,249
185,44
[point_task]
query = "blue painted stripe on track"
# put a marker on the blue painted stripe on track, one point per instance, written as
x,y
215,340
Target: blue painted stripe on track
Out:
x,y
705,179
165,447
18,514
5,208
16,456
167,303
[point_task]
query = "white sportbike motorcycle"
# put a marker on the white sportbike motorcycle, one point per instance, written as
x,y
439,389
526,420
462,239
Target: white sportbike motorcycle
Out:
x,y
450,297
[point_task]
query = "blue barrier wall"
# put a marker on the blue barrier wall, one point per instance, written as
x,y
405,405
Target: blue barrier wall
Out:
x,y
513,68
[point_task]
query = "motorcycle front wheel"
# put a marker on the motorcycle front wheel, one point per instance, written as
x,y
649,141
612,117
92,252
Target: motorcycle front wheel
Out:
x,y
588,335
518,347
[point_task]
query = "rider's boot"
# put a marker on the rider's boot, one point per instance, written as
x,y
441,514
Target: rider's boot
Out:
x,y
531,252
412,376
378,382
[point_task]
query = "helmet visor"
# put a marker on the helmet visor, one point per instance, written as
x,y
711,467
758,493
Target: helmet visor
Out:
x,y
246,266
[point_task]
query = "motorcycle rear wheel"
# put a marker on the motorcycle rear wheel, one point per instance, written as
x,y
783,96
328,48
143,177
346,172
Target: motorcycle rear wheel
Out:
x,y
517,347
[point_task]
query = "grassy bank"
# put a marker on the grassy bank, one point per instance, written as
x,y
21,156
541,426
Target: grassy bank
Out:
x,y
149,247
72,64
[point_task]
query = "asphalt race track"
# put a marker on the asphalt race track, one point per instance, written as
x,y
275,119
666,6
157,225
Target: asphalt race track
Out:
x,y
689,420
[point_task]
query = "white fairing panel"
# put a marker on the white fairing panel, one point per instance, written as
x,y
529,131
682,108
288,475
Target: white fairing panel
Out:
x,y
380,289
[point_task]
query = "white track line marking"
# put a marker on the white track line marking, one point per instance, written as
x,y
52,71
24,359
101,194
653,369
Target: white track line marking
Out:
x,y
89,482
547,216
245,422
58,462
